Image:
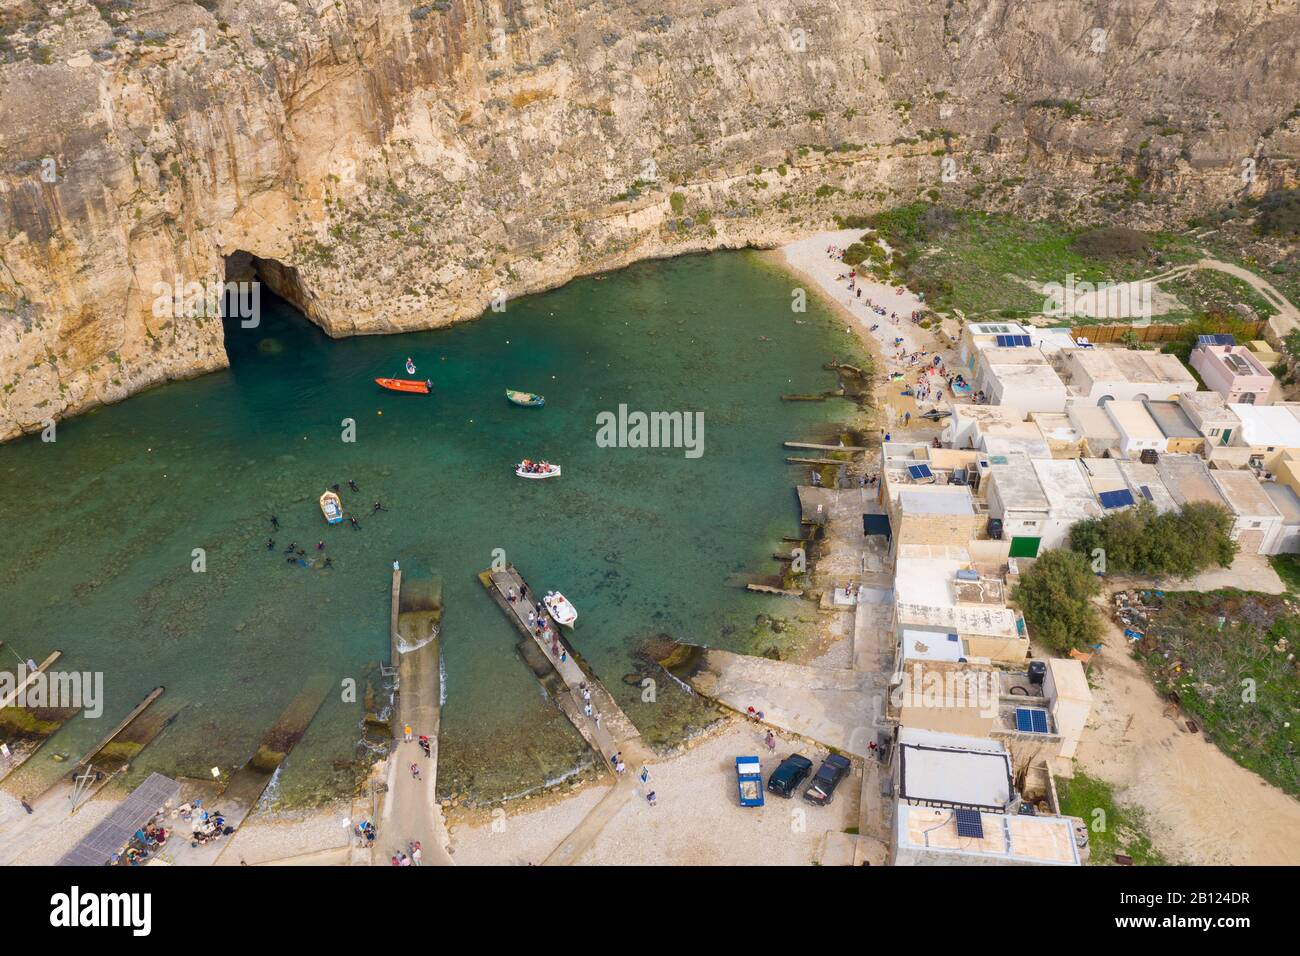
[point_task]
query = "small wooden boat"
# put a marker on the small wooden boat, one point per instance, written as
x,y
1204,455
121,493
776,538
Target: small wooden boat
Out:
x,y
527,399
331,506
537,469
403,385
560,608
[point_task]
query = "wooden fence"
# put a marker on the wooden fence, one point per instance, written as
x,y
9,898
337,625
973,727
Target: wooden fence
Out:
x,y
1168,332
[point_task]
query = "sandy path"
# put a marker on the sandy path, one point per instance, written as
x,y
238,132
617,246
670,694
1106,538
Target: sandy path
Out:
x,y
1202,807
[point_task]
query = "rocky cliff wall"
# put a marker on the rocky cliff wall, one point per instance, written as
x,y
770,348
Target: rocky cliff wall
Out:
x,y
396,163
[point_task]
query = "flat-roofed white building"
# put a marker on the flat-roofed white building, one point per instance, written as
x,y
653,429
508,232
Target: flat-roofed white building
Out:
x,y
1138,431
929,836
1022,379
1103,375
1098,432
948,770
1145,483
1069,497
1258,523
1017,500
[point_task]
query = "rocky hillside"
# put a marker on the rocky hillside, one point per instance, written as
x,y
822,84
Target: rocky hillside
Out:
x,y
390,165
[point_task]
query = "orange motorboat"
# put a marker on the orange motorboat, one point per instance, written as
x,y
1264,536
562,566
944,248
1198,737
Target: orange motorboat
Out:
x,y
403,385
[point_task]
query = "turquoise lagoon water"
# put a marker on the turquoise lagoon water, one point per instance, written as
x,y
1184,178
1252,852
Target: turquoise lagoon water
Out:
x,y
99,527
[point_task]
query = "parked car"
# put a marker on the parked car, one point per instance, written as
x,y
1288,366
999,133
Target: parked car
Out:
x,y
749,782
792,772
822,788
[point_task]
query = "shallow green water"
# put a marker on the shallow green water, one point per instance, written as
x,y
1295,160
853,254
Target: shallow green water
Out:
x,y
99,526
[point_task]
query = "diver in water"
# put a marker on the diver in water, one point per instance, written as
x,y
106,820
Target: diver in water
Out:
x,y
292,547
329,563
353,485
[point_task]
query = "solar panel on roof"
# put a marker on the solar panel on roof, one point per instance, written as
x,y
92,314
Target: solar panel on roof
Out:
x,y
1029,721
1220,339
1116,499
970,824
1013,341
919,472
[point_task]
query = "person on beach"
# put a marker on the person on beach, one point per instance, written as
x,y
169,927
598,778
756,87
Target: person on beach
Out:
x,y
650,798
645,774
417,853
770,741
25,805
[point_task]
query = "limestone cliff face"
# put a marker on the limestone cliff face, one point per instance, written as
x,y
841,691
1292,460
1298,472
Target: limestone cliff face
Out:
x,y
391,164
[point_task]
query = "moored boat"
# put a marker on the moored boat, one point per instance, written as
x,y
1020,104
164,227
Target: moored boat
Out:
x,y
403,385
527,399
537,469
560,608
331,506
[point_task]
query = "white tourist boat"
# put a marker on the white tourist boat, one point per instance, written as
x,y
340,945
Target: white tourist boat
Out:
x,y
537,469
560,608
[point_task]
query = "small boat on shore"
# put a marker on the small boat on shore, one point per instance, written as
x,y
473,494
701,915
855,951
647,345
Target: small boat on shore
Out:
x,y
537,469
527,399
403,385
560,608
331,506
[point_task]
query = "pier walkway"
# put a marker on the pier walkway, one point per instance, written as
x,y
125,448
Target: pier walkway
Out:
x,y
609,731
411,811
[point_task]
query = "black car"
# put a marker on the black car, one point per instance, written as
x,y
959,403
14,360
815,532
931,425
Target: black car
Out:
x,y
822,789
789,775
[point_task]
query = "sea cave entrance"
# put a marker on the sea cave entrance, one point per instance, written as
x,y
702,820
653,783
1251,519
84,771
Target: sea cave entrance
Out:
x,y
263,310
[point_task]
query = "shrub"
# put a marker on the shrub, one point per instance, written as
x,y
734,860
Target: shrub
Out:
x,y
1054,595
1141,541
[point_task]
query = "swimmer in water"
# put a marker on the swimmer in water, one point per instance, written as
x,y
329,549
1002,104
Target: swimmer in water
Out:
x,y
320,545
270,544
354,522
275,523
329,562
353,485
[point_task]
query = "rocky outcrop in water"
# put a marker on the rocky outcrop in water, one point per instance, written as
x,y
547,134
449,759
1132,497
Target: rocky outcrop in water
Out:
x,y
391,165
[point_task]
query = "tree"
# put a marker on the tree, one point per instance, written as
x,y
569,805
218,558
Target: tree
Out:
x,y
1141,541
1055,594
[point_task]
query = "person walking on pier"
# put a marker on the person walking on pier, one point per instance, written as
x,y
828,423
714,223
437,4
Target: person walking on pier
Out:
x,y
406,733
415,771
